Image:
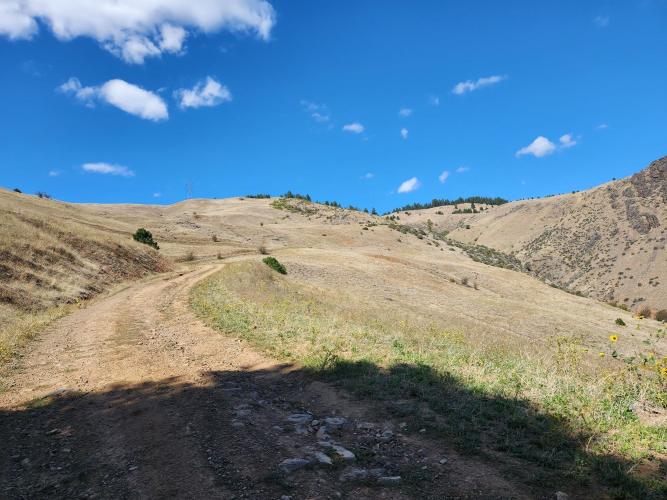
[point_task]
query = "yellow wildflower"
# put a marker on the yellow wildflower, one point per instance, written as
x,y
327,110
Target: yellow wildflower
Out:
x,y
601,354
613,338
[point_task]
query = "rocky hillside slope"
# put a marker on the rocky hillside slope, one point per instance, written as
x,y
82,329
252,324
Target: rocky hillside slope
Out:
x,y
607,242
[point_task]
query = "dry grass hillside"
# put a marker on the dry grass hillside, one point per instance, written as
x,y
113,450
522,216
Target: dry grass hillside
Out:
x,y
607,242
546,389
50,258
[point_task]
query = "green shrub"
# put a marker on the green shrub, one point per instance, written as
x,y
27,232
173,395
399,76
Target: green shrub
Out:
x,y
17,190
273,263
661,315
144,236
620,322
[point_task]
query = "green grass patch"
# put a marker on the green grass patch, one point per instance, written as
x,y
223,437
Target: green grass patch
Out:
x,y
565,423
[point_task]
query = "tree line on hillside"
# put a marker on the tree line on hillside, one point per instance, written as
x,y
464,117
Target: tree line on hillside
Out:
x,y
441,202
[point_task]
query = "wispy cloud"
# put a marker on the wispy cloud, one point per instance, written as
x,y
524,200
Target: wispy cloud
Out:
x,y
368,176
566,141
318,112
462,169
157,195
205,93
404,133
135,30
602,126
405,112
443,176
434,100
410,185
108,169
125,96
355,128
54,173
470,85
601,21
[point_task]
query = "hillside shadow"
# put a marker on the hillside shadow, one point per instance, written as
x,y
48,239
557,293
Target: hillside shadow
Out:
x,y
217,438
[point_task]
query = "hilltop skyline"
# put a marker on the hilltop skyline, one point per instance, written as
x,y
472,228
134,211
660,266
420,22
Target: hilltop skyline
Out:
x,y
374,107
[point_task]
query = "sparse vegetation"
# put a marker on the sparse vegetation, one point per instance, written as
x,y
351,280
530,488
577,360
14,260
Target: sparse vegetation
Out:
x,y
262,250
17,190
482,399
620,322
144,236
661,315
273,263
42,194
440,202
258,196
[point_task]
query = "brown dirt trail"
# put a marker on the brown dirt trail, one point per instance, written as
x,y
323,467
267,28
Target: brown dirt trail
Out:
x,y
133,397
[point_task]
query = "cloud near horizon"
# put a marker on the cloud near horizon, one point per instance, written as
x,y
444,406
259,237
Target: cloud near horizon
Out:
x,y
443,176
204,94
123,95
108,169
470,85
410,185
542,146
135,30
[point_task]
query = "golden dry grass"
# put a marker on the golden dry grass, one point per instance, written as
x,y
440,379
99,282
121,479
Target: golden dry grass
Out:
x,y
559,405
50,260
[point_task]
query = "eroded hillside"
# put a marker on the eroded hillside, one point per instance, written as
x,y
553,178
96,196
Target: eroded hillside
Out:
x,y
607,242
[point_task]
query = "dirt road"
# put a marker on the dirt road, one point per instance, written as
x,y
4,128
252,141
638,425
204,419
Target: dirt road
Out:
x,y
133,397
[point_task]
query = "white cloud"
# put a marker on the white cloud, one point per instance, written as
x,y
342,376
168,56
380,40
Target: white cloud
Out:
x,y
73,86
135,29
318,112
601,21
107,168
434,100
355,128
134,100
172,38
54,173
126,96
157,195
470,85
566,141
409,185
602,126
539,147
207,93
405,112
462,169
404,133
443,176
368,176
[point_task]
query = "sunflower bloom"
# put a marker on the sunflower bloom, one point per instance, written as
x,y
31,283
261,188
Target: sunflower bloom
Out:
x,y
613,338
601,354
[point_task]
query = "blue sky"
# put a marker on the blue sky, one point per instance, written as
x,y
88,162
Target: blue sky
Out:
x,y
362,102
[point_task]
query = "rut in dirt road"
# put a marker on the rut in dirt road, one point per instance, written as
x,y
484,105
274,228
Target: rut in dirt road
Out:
x,y
134,398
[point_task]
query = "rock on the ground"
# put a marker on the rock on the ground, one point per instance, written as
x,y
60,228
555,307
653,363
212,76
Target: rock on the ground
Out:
x,y
335,422
300,418
291,464
342,452
389,480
